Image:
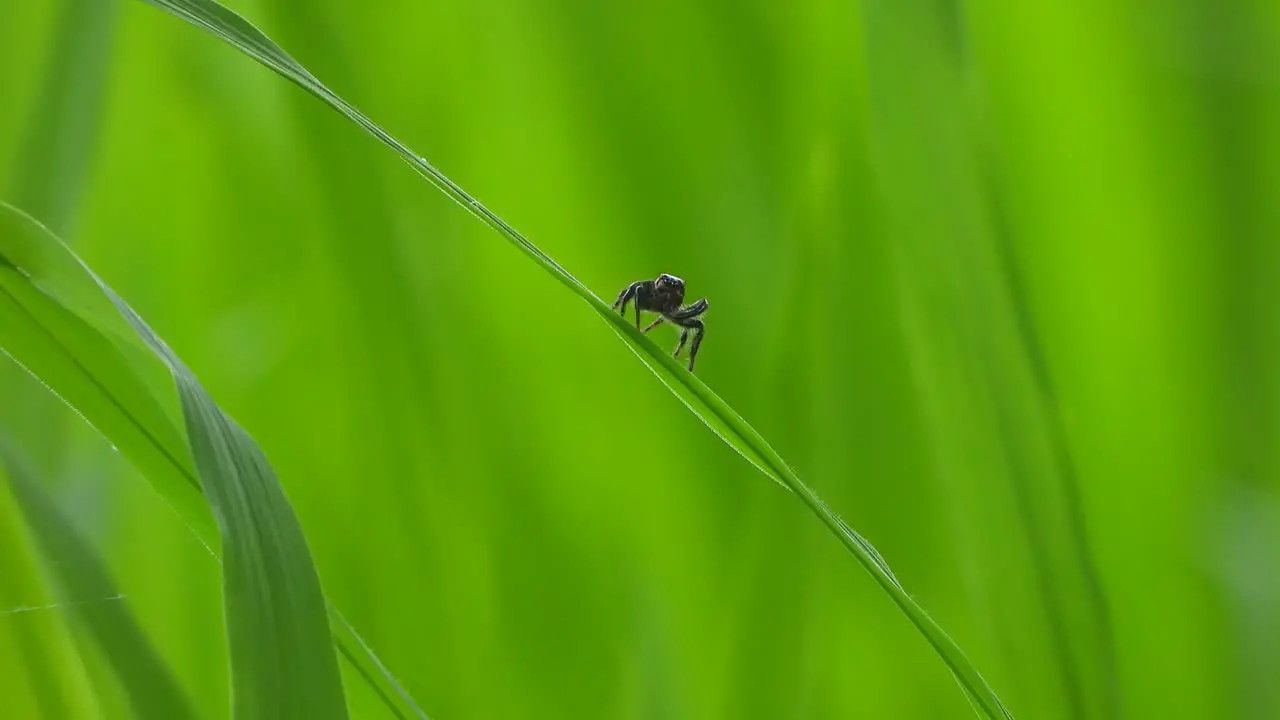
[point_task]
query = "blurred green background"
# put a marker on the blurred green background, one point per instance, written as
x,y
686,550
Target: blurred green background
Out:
x,y
998,278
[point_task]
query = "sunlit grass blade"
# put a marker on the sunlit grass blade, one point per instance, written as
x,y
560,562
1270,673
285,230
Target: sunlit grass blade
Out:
x,y
704,403
152,691
69,330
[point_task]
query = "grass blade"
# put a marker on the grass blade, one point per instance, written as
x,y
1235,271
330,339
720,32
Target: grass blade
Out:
x,y
974,345
49,174
43,675
67,328
61,135
704,403
153,693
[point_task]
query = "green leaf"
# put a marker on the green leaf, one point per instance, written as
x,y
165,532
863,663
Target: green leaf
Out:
x,y
43,675
48,177
85,580
699,398
987,370
60,136
73,333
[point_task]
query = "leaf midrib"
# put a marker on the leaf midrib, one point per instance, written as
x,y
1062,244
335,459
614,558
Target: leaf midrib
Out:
x,y
53,337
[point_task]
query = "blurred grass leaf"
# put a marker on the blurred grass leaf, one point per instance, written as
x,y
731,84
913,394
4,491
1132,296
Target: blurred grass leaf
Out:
x,y
48,176
61,135
43,675
704,403
73,333
974,343
84,578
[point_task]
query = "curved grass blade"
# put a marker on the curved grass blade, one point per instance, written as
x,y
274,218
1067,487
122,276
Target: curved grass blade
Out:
x,y
73,333
704,403
48,175
152,691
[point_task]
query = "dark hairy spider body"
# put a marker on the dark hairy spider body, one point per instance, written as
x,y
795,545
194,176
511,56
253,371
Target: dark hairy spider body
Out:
x,y
665,296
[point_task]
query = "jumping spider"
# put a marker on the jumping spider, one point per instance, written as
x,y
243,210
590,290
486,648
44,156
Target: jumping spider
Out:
x,y
665,296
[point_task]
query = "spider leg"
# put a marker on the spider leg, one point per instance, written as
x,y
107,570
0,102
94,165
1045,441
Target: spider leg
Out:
x,y
689,311
699,330
684,335
625,296
655,323
688,318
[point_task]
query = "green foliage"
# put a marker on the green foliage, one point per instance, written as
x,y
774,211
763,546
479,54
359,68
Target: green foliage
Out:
x,y
988,368
996,278
89,347
44,677
152,691
722,419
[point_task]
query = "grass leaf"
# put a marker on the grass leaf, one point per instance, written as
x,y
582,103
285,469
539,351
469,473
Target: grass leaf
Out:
x,y
704,403
64,326
59,140
44,675
153,693
61,135
991,381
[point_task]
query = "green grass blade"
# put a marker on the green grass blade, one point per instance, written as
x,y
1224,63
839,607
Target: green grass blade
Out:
x,y
704,403
282,660
58,144
153,693
42,673
973,342
48,177
58,321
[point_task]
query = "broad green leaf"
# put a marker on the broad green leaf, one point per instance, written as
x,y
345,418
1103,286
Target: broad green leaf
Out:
x,y
699,398
90,593
73,333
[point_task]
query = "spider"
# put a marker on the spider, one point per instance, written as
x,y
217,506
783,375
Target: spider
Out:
x,y
665,296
